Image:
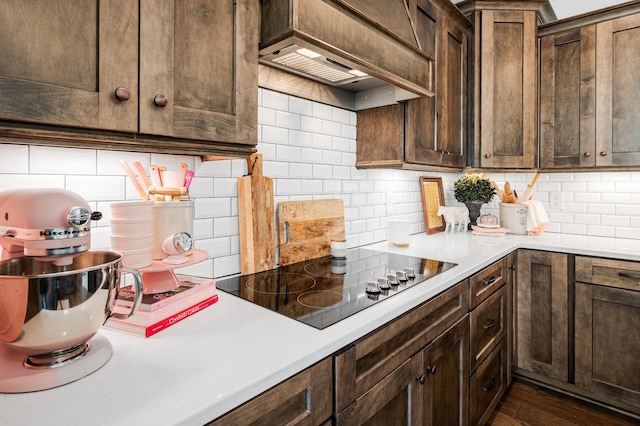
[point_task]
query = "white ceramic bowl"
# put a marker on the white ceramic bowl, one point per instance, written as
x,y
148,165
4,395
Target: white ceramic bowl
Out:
x,y
131,242
132,210
137,258
130,227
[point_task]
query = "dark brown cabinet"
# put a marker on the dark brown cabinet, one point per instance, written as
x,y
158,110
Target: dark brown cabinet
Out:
x,y
505,83
542,315
52,75
588,79
383,373
436,128
166,76
568,99
428,131
607,320
490,321
445,370
304,399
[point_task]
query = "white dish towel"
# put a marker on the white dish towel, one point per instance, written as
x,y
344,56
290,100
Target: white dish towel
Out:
x,y
537,219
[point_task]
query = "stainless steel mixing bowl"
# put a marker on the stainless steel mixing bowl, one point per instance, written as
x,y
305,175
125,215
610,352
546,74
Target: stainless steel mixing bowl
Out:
x,y
52,311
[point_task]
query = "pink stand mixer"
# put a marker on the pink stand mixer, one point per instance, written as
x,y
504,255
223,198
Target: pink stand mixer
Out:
x,y
55,294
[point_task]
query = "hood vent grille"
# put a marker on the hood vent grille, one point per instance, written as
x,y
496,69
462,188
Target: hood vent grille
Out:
x,y
307,62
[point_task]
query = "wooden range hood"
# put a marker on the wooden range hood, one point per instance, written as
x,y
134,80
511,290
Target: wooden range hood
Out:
x,y
375,37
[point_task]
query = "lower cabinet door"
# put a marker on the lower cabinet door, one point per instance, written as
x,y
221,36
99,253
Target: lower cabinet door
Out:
x,y
488,384
607,340
393,401
446,382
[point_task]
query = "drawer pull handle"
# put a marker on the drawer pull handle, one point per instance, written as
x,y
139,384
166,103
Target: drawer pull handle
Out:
x,y
630,276
490,386
420,379
491,280
431,369
491,324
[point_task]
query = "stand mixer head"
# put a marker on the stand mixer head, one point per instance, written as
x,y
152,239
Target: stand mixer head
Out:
x,y
48,224
55,294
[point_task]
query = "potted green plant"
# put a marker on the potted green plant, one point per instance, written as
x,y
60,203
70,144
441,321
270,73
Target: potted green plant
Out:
x,y
473,189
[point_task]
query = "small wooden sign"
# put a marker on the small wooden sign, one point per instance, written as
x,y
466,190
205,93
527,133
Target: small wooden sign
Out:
x,y
432,198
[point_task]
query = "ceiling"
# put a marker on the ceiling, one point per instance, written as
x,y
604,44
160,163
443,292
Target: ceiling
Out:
x,y
567,8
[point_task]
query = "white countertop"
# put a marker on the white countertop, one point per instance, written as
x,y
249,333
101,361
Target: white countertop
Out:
x,y
234,350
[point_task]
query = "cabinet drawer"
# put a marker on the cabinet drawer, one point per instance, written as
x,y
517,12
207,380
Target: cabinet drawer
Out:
x,y
305,398
608,272
488,384
488,326
485,282
361,365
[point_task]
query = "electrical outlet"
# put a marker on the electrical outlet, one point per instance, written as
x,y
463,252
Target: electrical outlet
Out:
x,y
555,201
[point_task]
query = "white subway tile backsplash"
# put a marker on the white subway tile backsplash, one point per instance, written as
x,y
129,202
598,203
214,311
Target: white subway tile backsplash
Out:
x,y
266,116
14,159
298,138
312,187
341,172
64,161
301,171
290,154
331,128
102,188
311,124
287,120
322,111
300,106
275,134
225,187
225,226
212,207
332,157
321,141
274,100
288,187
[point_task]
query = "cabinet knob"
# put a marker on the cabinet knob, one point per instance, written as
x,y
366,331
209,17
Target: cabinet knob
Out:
x,y
420,379
487,155
160,101
603,153
431,369
586,155
490,280
492,383
122,94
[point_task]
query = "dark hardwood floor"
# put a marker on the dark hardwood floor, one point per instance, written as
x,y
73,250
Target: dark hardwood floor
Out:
x,y
529,404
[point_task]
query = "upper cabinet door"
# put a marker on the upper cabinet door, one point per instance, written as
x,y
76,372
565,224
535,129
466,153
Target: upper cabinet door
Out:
x,y
508,89
198,69
568,99
617,86
67,63
436,127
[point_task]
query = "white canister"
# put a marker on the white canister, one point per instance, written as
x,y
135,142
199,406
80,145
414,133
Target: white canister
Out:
x,y
398,233
513,216
338,248
170,218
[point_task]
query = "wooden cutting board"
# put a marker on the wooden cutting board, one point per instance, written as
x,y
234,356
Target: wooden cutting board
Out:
x,y
256,219
306,228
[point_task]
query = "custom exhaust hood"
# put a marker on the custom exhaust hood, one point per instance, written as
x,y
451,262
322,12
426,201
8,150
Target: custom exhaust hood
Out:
x,y
364,52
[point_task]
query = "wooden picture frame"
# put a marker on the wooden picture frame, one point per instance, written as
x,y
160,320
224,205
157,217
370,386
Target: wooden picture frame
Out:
x,y
432,198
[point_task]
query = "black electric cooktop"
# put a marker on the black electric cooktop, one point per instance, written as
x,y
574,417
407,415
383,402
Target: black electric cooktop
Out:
x,y
320,292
